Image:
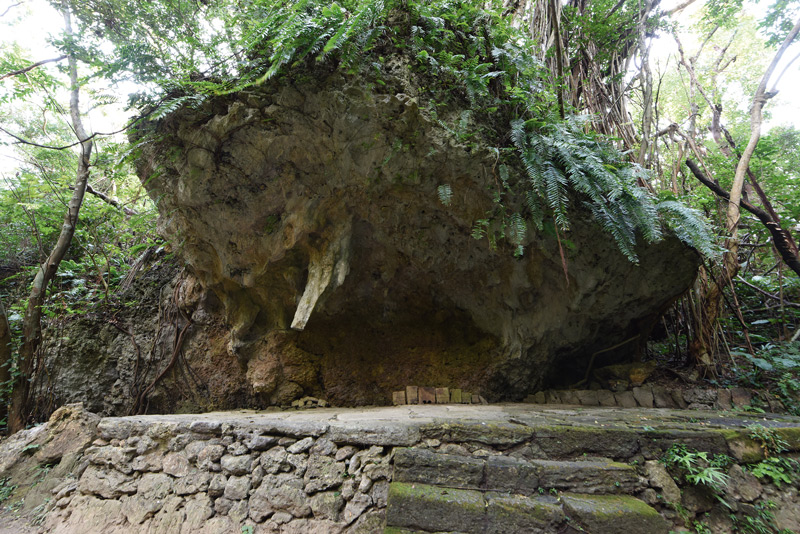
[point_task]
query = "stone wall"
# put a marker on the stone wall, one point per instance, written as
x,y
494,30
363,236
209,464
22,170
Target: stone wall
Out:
x,y
417,468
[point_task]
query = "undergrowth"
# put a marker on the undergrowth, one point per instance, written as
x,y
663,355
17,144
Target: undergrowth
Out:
x,y
708,471
774,368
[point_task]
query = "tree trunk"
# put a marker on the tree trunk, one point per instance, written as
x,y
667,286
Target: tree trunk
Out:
x,y
5,360
730,260
711,299
32,322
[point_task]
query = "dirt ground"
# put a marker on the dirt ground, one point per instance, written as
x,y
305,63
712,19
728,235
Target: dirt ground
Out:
x,y
11,524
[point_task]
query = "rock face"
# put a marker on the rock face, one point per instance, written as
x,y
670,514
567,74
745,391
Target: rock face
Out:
x,y
309,208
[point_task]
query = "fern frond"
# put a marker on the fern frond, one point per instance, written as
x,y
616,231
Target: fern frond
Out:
x,y
561,158
690,226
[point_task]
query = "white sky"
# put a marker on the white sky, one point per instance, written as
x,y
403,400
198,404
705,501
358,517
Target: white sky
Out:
x,y
33,21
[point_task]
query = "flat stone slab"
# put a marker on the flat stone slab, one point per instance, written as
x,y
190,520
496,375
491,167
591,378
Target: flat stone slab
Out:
x,y
513,475
512,514
425,466
613,514
426,508
435,509
586,476
560,431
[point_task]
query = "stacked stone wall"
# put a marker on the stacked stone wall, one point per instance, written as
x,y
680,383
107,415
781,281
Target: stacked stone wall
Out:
x,y
329,471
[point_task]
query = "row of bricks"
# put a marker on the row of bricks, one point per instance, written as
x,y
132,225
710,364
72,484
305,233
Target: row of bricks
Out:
x,y
428,395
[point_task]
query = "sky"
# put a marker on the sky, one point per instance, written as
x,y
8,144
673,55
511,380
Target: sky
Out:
x,y
31,22
785,107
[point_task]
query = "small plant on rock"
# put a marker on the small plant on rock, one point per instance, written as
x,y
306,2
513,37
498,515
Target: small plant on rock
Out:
x,y
6,489
777,469
698,468
761,523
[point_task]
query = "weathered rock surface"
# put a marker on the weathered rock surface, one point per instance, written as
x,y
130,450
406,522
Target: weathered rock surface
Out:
x,y
310,210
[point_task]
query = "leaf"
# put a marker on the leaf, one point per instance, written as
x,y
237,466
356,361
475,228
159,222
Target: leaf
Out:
x,y
445,194
761,363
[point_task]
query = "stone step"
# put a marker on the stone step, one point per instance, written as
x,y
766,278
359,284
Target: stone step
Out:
x,y
509,474
422,508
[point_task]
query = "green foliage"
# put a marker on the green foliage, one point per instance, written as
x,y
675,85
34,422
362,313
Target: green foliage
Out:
x,y
106,241
698,468
779,20
445,193
775,469
560,158
720,13
6,489
770,441
706,470
761,523
776,368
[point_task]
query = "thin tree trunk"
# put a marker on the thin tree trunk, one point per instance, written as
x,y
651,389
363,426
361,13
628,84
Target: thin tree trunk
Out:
x,y
32,322
6,359
701,346
646,78
759,99
555,13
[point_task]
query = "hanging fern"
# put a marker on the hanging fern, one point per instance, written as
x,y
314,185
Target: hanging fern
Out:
x,y
561,160
689,225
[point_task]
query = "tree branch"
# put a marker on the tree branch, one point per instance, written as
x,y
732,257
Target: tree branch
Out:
x,y
759,99
679,7
31,67
9,8
779,235
108,200
87,138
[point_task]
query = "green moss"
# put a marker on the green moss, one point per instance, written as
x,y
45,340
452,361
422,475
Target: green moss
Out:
x,y
470,500
743,448
791,435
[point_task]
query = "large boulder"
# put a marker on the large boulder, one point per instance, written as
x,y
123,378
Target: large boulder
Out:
x,y
309,208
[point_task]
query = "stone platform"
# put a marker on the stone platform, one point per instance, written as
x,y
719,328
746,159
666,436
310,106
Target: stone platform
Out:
x,y
421,468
